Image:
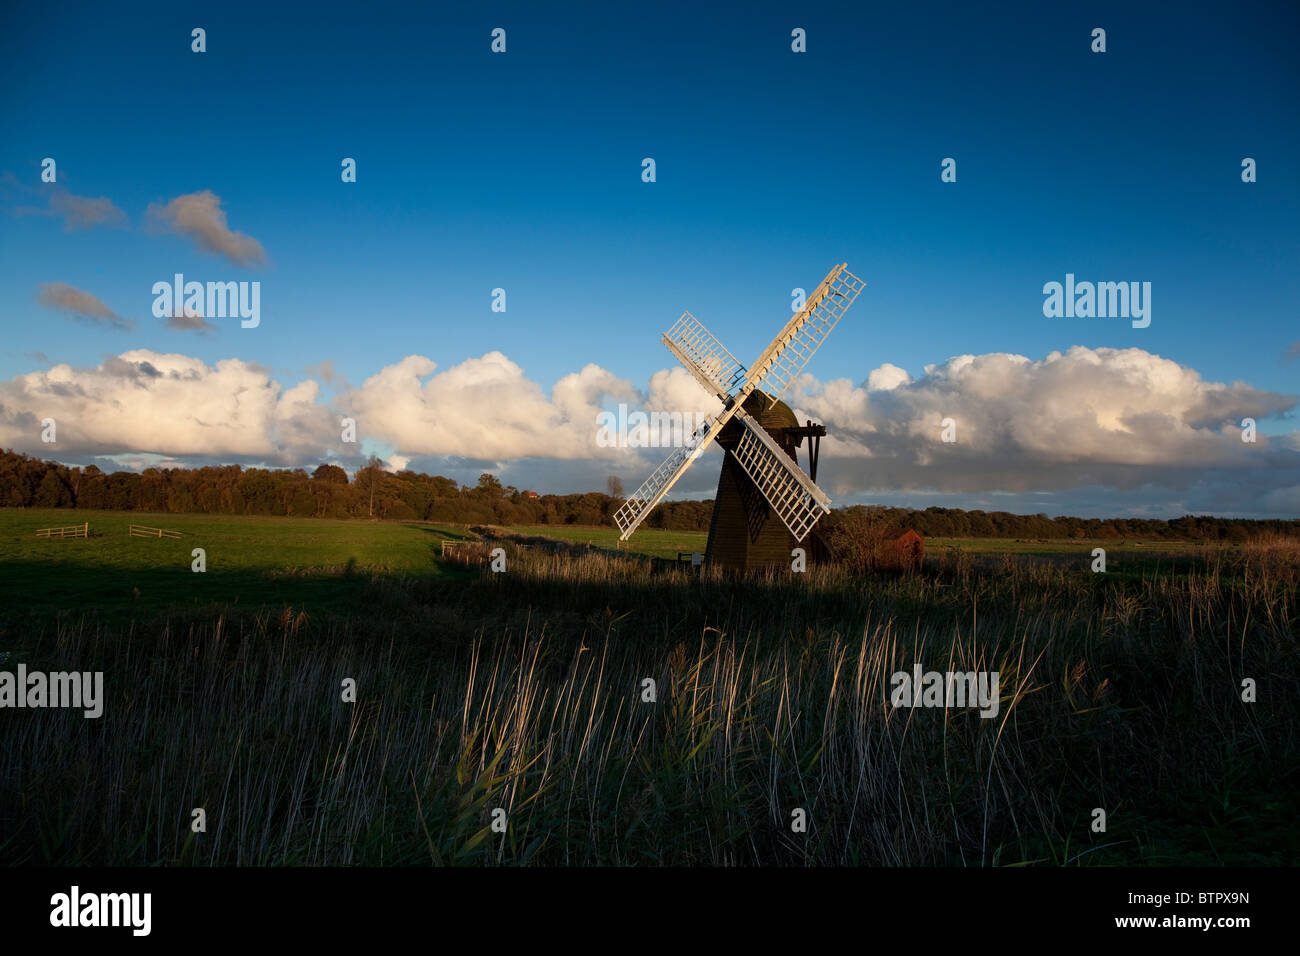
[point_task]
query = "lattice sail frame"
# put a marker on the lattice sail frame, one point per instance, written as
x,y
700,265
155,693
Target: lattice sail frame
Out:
x,y
798,502
788,491
704,356
639,504
803,335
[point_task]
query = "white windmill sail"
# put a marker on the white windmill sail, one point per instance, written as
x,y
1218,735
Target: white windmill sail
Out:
x,y
704,356
653,489
789,492
717,371
791,350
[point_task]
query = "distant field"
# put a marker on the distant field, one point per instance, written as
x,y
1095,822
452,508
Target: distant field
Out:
x,y
327,566
312,564
667,544
251,561
653,541
318,564
1062,545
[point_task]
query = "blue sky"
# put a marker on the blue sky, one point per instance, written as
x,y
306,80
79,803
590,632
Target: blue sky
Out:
x,y
523,171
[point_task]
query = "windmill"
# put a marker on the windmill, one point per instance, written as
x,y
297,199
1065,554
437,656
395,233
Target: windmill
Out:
x,y
761,481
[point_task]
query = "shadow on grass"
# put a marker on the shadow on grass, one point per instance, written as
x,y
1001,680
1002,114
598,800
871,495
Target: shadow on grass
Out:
x,y
36,594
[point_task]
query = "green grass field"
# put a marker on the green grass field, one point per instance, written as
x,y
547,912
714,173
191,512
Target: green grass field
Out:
x,y
312,564
307,563
652,541
317,565
667,544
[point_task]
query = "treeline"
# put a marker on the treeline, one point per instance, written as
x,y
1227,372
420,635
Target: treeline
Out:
x,y
955,523
326,492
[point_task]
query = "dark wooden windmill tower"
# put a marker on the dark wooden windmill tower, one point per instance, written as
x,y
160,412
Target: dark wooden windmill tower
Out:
x,y
745,532
765,505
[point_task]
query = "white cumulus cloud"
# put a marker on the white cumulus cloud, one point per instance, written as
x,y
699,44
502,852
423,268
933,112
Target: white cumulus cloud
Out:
x,y
1120,425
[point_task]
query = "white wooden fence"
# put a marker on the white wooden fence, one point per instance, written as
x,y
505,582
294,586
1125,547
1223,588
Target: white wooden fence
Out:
x,y
72,531
141,531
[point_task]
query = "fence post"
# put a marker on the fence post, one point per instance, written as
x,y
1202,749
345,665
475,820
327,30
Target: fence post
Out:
x,y
85,530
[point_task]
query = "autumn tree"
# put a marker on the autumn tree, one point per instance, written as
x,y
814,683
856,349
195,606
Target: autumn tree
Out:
x,y
52,492
331,473
368,480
